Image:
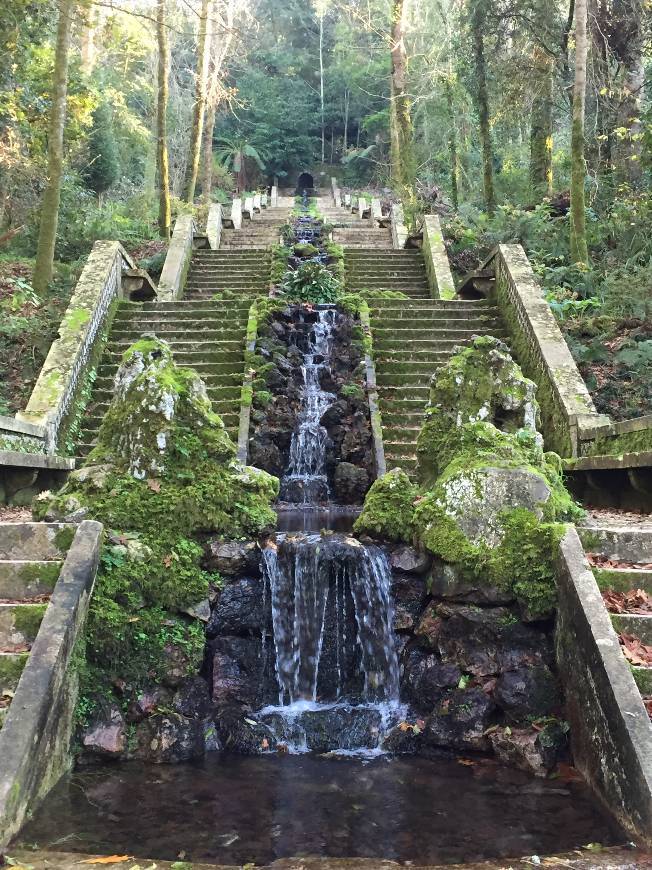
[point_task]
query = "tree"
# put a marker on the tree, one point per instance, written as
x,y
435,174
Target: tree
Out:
x,y
103,165
403,164
578,243
234,153
478,23
541,123
44,264
164,211
201,78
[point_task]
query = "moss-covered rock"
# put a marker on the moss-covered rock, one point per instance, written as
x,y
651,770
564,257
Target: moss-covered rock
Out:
x,y
492,503
162,476
388,511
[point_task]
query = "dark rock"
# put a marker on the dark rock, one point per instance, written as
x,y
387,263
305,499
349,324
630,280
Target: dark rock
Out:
x,y
488,641
177,665
240,733
105,735
341,728
403,739
528,693
425,679
243,672
232,558
408,595
170,739
460,721
267,456
350,483
448,581
146,703
537,752
192,698
239,609
410,560
428,629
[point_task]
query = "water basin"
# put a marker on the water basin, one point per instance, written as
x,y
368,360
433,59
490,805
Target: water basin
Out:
x,y
306,518
236,810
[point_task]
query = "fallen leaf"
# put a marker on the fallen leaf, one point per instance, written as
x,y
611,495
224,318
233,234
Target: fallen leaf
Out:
x,y
154,485
167,561
636,652
265,743
108,859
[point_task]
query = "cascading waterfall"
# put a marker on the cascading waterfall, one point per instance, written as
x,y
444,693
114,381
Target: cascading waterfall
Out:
x,y
305,481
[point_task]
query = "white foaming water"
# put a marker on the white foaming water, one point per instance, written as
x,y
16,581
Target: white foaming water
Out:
x,y
335,590
305,475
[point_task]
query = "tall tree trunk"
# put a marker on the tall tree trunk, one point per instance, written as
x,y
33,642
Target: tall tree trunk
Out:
x,y
478,23
403,165
44,265
164,212
321,85
578,243
450,106
194,151
541,125
88,47
347,101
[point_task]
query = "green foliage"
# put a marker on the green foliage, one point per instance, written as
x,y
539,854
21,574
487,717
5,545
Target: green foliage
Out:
x,y
388,511
311,282
103,166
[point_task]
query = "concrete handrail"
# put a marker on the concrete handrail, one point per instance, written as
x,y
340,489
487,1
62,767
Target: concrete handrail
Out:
x,y
214,226
35,738
248,208
616,437
611,733
337,193
274,197
372,393
177,262
399,230
438,269
71,355
257,203
566,404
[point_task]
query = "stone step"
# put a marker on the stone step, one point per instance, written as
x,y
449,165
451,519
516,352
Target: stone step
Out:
x,y
401,420
430,333
176,336
11,667
633,623
184,306
198,323
391,379
390,284
623,579
229,376
187,348
620,543
643,678
27,578
227,259
40,541
412,347
408,465
398,448
19,625
382,307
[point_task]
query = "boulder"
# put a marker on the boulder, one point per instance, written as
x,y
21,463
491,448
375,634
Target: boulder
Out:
x,y
341,728
454,584
164,739
460,720
240,733
528,693
239,609
428,628
192,699
231,558
409,595
176,666
106,735
425,679
243,672
535,751
147,702
410,560
350,483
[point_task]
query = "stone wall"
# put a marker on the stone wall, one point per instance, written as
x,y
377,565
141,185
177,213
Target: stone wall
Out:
x,y
177,262
35,739
435,257
611,734
542,352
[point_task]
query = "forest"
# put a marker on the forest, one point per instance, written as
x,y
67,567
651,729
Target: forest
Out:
x,y
514,120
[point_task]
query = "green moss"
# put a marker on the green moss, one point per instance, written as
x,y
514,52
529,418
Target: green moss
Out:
x,y
352,391
617,445
11,667
28,618
45,574
64,538
388,510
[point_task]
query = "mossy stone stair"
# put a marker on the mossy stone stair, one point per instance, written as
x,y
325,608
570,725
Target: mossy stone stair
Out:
x,y
31,555
398,270
412,339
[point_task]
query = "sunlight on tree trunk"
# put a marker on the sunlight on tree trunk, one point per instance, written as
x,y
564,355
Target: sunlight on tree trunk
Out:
x,y
578,243
402,133
44,265
164,215
478,24
541,125
450,106
629,144
199,110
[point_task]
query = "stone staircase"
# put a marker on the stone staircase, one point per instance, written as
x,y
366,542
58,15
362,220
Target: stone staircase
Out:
x,y
621,558
393,269
31,555
412,339
260,233
206,334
